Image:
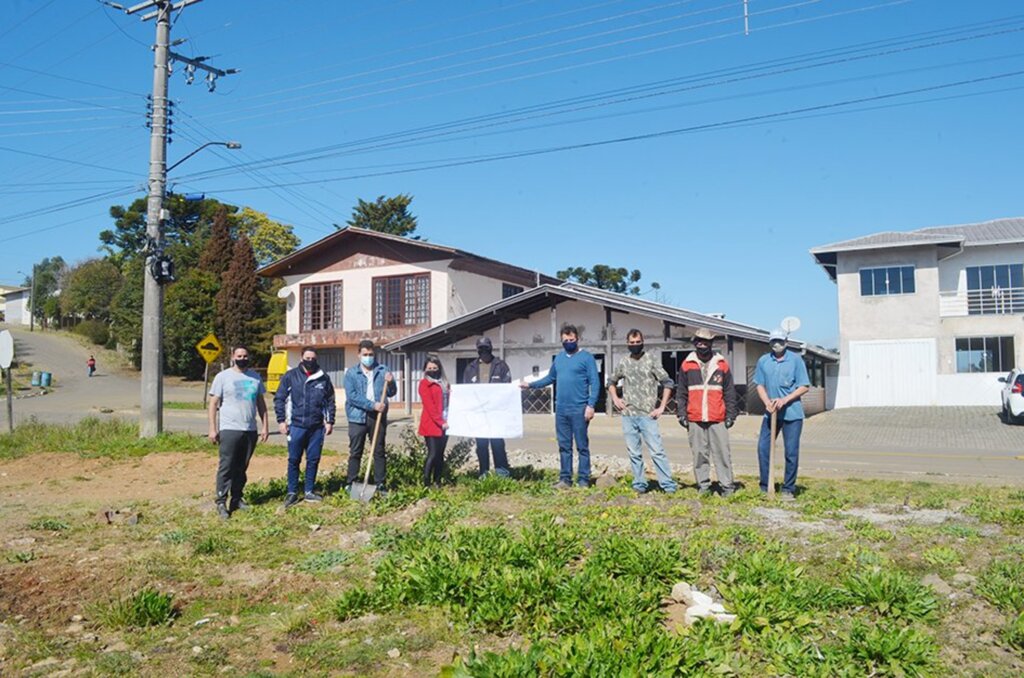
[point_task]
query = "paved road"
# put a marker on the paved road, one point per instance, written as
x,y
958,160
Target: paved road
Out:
x,y
926,443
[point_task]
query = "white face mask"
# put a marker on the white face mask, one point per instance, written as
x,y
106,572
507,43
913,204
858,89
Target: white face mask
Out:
x,y
778,347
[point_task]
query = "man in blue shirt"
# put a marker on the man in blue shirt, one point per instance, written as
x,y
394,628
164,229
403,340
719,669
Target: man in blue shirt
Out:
x,y
577,384
368,385
781,378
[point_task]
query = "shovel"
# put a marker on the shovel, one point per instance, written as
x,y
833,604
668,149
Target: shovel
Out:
x,y
364,491
771,458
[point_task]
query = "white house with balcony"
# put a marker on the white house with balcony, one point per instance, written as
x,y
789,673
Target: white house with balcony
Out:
x,y
928,317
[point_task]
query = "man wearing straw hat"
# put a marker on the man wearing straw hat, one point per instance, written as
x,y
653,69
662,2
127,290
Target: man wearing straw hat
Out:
x,y
781,378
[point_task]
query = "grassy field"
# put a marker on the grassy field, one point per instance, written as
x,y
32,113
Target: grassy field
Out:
x,y
508,578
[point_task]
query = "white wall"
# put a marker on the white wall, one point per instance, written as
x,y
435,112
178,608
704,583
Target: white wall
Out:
x,y
952,273
970,389
16,310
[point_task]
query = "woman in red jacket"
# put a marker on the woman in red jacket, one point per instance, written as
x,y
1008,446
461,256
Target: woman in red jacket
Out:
x,y
434,418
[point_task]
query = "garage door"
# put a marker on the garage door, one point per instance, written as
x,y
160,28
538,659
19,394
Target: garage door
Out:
x,y
897,372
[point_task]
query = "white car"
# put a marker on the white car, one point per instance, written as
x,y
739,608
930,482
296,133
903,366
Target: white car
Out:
x,y
1013,396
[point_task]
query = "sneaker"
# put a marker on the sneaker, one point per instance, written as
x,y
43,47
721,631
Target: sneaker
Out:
x,y
313,497
728,491
787,496
222,511
291,499
563,485
640,490
240,505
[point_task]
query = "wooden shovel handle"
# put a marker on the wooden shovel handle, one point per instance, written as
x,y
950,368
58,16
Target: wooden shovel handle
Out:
x,y
771,456
373,441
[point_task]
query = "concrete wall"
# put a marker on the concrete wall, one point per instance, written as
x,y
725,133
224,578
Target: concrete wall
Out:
x,y
16,309
970,389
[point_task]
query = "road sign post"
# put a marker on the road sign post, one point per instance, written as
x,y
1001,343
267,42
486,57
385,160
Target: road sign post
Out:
x,y
209,347
6,358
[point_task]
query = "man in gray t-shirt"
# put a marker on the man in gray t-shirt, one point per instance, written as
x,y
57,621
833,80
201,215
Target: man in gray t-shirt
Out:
x,y
237,394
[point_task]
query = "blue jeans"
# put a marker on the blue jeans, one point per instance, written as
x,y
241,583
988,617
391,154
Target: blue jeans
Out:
x,y
312,441
571,426
644,430
791,437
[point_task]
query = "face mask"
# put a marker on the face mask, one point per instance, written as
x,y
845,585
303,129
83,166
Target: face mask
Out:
x,y
778,347
570,346
241,363
704,352
635,349
434,374
485,354
366,360
310,366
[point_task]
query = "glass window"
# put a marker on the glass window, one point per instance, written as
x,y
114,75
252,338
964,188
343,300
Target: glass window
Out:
x,y
321,307
888,280
995,289
984,354
508,290
399,301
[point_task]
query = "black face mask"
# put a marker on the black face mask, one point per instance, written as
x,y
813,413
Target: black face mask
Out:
x,y
434,374
485,354
704,353
635,349
241,363
310,366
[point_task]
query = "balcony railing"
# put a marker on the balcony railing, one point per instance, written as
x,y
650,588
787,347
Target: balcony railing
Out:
x,y
993,301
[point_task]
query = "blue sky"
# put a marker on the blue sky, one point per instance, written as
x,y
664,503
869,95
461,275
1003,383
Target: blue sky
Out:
x,y
653,135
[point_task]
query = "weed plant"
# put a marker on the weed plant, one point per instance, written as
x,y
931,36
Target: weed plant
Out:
x,y
147,607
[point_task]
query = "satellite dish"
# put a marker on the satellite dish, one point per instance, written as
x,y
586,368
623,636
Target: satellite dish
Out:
x,y
790,324
284,293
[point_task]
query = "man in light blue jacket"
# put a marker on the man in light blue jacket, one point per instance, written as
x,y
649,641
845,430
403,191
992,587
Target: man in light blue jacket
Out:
x,y
365,383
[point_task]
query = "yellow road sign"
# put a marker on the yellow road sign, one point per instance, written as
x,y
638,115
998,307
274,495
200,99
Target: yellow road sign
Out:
x,y
209,347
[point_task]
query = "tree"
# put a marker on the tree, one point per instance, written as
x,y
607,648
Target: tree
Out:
x,y
238,300
620,280
45,283
190,309
387,215
271,240
217,250
126,312
90,289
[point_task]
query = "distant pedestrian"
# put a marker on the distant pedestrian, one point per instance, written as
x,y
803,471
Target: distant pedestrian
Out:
x,y
781,377
577,385
643,380
487,369
707,408
237,396
91,364
368,385
312,418
434,419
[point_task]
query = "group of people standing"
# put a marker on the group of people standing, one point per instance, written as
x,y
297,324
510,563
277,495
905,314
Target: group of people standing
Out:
x,y
706,406
639,387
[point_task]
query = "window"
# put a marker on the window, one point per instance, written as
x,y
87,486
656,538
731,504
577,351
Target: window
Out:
x,y
876,282
984,354
401,300
509,290
995,289
321,307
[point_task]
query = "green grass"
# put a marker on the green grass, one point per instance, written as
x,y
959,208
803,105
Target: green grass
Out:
x,y
110,438
183,405
146,607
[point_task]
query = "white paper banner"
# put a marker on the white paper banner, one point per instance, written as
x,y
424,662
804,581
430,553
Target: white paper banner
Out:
x,y
485,411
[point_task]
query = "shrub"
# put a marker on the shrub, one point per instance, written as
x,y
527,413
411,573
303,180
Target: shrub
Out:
x,y
1002,584
94,330
887,649
147,607
407,458
1013,634
892,593
943,556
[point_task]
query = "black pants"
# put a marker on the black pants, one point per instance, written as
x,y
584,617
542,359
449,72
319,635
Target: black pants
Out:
x,y
434,468
236,448
357,434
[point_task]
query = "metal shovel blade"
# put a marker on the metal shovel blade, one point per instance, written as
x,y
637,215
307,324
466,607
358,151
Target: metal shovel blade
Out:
x,y
362,491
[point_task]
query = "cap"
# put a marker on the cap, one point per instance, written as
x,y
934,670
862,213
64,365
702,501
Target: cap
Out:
x,y
704,333
777,335
483,342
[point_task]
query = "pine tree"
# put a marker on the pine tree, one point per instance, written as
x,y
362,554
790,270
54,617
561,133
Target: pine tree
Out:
x,y
238,301
217,251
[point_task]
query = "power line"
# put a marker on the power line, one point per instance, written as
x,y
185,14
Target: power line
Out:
x,y
766,117
634,93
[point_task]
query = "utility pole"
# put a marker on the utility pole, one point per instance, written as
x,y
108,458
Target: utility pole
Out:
x,y
151,410
32,303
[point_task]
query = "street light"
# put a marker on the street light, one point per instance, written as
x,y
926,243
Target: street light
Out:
x,y
151,405
31,299
233,145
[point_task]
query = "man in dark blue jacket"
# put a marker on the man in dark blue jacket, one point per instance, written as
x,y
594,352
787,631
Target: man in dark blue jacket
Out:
x,y
365,383
487,369
312,417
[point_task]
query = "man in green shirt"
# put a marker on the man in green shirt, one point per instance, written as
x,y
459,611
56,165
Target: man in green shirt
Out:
x,y
643,378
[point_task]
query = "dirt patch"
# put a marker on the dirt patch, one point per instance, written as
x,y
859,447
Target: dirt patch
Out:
x,y
905,516
782,519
